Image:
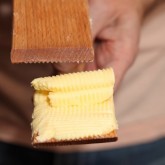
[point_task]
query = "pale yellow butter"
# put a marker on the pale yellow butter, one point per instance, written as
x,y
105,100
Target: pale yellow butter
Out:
x,y
74,106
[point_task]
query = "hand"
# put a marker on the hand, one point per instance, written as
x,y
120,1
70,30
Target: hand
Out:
x,y
115,30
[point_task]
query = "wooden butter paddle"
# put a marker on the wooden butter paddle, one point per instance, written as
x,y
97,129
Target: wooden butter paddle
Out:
x,y
51,31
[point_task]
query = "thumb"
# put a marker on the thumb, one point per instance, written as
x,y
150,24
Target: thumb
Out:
x,y
98,15
95,27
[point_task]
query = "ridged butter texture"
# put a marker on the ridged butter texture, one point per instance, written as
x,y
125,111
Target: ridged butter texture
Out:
x,y
83,97
75,81
74,106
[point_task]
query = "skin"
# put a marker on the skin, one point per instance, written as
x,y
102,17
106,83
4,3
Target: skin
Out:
x,y
115,30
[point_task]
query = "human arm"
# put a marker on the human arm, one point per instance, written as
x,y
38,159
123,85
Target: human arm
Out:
x,y
115,30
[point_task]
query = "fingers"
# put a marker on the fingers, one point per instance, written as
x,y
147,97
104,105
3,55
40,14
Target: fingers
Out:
x,y
69,68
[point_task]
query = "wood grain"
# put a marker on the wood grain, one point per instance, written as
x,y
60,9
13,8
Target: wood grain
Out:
x,y
51,31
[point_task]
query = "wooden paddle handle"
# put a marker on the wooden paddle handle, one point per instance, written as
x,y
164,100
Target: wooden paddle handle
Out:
x,y
51,31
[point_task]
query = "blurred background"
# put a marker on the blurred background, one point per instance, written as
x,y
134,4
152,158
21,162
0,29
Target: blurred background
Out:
x,y
140,105
5,24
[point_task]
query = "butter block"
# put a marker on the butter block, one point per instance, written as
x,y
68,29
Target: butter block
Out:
x,y
74,108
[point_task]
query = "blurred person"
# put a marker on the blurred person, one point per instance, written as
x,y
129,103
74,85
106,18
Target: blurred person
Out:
x,y
116,28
